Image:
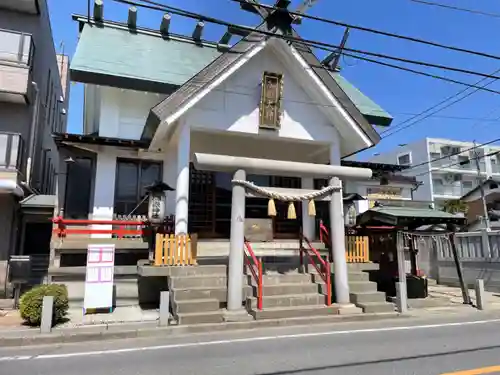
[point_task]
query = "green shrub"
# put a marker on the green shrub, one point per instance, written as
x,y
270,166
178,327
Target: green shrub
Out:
x,y
30,304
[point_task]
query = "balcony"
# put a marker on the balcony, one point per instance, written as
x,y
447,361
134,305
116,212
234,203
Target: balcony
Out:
x,y
449,191
22,6
458,164
16,60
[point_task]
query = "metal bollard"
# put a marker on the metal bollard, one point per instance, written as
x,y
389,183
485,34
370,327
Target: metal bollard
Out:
x,y
47,313
480,294
401,299
164,308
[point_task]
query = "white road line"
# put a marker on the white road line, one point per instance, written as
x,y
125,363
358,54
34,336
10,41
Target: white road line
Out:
x,y
244,340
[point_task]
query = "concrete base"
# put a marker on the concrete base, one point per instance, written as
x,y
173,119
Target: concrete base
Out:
x,y
237,316
349,309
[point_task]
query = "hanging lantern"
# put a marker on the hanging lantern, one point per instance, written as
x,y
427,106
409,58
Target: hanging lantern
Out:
x,y
157,202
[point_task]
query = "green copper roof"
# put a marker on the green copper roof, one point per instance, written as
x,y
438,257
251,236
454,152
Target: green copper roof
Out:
x,y
371,110
407,216
118,52
111,54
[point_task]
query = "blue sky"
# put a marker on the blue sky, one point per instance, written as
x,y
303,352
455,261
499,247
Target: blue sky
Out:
x,y
400,93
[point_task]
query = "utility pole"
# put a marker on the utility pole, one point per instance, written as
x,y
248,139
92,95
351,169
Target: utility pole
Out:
x,y
481,189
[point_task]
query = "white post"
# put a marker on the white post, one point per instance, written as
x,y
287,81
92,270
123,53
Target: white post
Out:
x,y
104,191
480,303
236,251
47,313
337,235
164,308
182,188
308,222
170,175
401,298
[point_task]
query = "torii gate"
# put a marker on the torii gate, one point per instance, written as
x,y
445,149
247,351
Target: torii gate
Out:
x,y
240,167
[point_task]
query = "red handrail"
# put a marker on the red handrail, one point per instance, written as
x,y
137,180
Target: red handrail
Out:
x,y
324,237
325,272
62,227
257,275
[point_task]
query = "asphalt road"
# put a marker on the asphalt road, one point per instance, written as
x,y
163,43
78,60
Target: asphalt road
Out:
x,y
381,348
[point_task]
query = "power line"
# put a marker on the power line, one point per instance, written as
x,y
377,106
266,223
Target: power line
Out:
x,y
452,7
444,101
452,154
308,42
409,123
181,12
426,74
375,31
304,42
446,79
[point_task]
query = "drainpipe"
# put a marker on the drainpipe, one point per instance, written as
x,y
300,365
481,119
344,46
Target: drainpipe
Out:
x,y
33,131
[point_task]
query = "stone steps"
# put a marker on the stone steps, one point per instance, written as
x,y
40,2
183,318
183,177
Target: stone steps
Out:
x,y
362,286
219,293
197,293
195,305
376,307
287,300
367,297
200,318
294,312
205,270
206,281
288,289
288,295
363,292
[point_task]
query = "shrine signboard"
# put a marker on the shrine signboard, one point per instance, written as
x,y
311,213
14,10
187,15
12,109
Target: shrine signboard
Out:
x,y
99,278
271,100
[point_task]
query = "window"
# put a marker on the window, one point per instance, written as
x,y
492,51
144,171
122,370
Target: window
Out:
x,y
467,186
132,178
404,159
434,155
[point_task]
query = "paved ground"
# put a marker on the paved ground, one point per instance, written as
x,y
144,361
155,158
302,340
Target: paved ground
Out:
x,y
425,346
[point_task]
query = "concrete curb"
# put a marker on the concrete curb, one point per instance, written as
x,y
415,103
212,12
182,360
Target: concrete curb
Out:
x,y
145,330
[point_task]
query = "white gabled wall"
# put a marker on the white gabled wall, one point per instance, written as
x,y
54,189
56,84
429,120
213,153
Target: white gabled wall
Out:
x,y
123,113
234,105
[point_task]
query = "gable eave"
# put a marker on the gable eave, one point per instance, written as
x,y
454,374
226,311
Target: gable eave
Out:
x,y
333,87
162,119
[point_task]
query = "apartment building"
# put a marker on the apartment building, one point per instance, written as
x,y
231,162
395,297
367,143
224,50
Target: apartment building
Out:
x,y
33,104
450,177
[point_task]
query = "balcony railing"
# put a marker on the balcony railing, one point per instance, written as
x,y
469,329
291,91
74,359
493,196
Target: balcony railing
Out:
x,y
454,163
11,151
450,191
16,61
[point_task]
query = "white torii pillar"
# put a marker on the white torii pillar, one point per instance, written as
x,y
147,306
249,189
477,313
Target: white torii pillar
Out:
x,y
244,166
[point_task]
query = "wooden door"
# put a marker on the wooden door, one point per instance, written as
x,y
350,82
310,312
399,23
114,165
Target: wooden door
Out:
x,y
202,203
285,228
